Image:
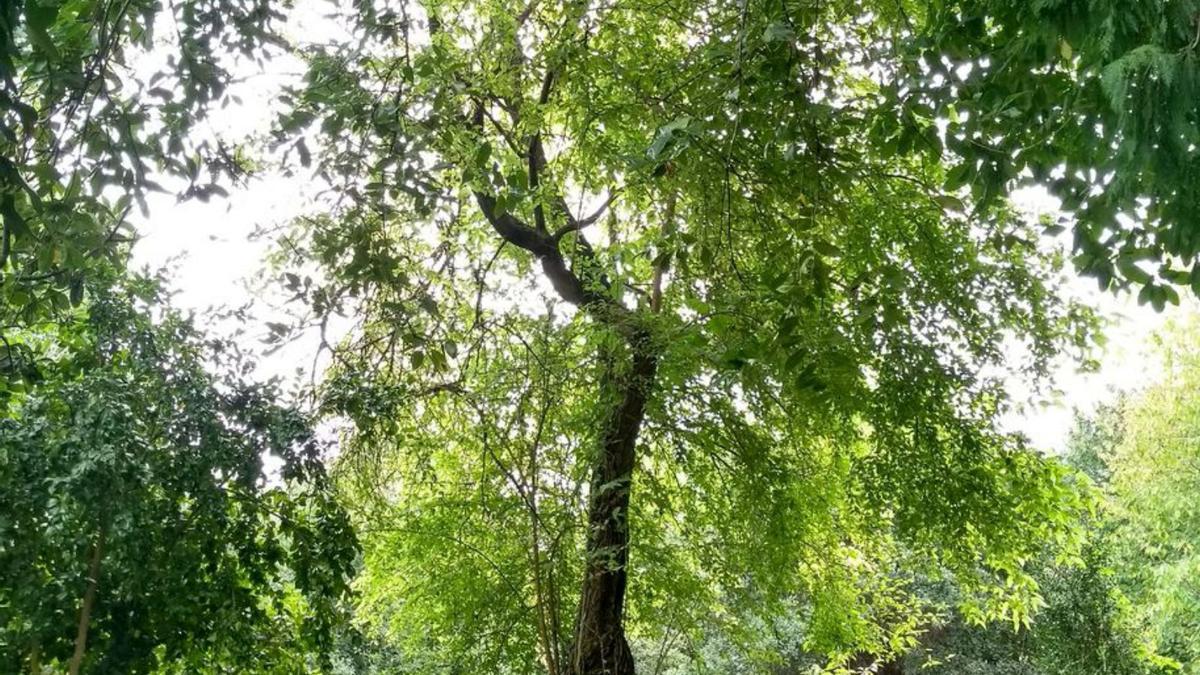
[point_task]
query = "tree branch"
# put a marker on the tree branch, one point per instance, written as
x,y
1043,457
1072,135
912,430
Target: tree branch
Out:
x,y
663,263
575,224
537,153
89,601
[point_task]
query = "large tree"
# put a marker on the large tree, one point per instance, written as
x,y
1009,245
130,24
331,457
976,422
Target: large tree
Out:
x,y
640,304
139,529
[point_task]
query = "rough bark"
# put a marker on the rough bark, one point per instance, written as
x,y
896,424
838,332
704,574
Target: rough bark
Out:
x,y
600,647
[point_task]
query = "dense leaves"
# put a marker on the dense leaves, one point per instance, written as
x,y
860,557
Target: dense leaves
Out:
x,y
91,121
680,335
1094,99
1130,606
133,489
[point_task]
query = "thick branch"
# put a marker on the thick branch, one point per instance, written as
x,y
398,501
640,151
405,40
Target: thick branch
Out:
x,y
537,160
575,224
554,265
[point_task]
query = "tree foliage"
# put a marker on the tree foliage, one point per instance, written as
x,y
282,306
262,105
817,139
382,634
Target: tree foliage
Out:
x,y
1094,99
90,124
139,529
682,297
681,329
1154,474
1130,606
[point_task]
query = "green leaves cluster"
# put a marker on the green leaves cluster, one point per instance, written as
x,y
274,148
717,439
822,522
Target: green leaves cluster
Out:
x,y
82,139
118,446
1094,99
1129,605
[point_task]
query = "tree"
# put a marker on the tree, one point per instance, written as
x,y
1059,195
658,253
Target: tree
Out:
x,y
141,531
1153,484
1131,607
640,304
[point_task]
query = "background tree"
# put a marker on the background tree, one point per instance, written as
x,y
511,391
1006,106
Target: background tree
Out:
x,y
139,529
1153,483
1087,623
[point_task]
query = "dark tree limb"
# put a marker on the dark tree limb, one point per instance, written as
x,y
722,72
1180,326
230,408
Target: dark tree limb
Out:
x,y
576,224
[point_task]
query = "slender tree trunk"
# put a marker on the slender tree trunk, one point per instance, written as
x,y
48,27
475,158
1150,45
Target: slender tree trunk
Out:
x,y
89,600
600,647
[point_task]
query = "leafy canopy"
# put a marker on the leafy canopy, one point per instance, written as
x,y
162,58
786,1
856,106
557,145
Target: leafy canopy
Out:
x,y
90,123
1094,99
123,461
694,182
707,299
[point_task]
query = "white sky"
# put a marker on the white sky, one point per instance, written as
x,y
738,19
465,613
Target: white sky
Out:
x,y
215,263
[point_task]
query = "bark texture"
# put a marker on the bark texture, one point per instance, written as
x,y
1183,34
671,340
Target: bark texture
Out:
x,y
600,647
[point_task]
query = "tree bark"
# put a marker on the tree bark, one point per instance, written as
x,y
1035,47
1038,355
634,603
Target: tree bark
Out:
x,y
600,647
85,609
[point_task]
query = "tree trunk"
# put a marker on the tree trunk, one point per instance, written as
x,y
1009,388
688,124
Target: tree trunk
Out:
x,y
85,609
600,647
